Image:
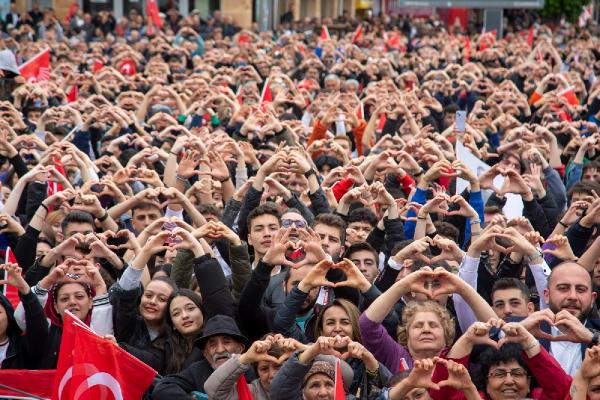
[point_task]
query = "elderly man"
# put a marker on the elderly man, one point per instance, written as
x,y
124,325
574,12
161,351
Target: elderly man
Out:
x,y
220,340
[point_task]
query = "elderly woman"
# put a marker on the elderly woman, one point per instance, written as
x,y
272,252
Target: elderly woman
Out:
x,y
427,327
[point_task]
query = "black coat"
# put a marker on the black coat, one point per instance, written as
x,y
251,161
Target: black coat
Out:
x,y
24,351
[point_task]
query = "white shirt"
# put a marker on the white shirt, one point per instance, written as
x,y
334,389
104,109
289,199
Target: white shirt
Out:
x,y
568,354
3,350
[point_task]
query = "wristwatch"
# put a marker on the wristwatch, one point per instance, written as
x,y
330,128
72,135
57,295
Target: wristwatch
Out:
x,y
595,339
310,172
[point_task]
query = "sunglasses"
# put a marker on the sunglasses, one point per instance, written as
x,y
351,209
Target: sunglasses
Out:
x,y
287,223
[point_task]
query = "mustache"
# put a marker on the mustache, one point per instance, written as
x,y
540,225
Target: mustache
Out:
x,y
224,354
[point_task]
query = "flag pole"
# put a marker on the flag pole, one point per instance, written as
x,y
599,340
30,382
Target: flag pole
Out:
x,y
12,389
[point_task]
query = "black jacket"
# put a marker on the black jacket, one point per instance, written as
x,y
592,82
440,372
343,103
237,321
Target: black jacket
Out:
x,y
24,351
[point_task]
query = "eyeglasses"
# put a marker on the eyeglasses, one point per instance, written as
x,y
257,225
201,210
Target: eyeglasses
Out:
x,y
502,373
287,223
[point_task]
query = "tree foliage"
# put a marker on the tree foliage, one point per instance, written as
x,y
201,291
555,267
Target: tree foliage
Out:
x,y
570,9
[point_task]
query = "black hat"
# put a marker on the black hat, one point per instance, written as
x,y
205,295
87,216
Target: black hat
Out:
x,y
221,325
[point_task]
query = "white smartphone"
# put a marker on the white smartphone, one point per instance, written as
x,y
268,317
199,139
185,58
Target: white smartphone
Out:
x,y
460,120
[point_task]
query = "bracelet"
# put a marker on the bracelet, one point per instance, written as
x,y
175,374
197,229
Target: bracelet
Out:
x,y
45,207
180,178
310,172
563,224
225,180
475,221
531,345
104,217
421,217
174,154
372,373
419,173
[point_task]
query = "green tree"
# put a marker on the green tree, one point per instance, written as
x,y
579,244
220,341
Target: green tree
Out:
x,y
570,9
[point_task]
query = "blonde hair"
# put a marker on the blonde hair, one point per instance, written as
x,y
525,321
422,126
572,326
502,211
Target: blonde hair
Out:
x,y
52,218
413,308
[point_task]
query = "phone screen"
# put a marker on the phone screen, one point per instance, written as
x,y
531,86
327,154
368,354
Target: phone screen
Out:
x,y
460,120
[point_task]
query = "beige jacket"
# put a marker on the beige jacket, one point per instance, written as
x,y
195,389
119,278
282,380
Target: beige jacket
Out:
x,y
221,384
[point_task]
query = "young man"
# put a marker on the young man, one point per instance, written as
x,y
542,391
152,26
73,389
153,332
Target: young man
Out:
x,y
263,223
365,257
332,231
510,297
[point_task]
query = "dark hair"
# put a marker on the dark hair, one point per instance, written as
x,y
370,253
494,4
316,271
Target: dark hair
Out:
x,y
333,220
492,357
592,164
492,210
146,205
209,209
511,283
363,246
362,214
268,208
76,217
447,230
179,346
584,187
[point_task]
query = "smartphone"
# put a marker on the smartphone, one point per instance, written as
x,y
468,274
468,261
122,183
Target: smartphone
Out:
x,y
460,120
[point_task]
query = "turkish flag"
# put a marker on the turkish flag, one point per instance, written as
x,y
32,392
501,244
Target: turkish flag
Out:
x,y
97,66
38,68
530,36
152,12
569,94
467,49
71,12
91,367
340,393
325,33
37,383
243,391
53,186
127,67
266,95
72,94
357,34
11,292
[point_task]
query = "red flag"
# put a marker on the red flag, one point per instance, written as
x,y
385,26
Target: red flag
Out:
x,y
357,34
37,68
11,292
153,13
266,95
530,36
97,66
243,38
72,94
90,367
467,49
127,67
569,94
325,33
340,393
38,383
53,186
71,12
393,40
243,391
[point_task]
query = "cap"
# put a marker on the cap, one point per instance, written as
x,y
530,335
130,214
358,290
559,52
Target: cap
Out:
x,y
8,62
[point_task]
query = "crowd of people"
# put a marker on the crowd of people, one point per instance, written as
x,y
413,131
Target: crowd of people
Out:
x,y
233,206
